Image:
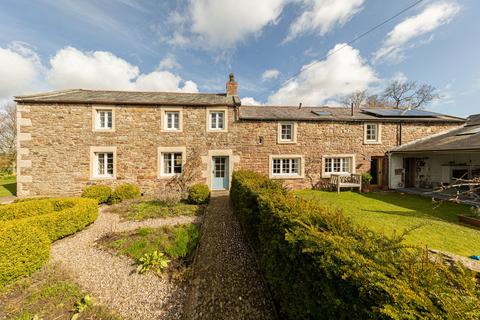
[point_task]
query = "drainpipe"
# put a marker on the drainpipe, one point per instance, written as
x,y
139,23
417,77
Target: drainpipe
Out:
x,y
351,108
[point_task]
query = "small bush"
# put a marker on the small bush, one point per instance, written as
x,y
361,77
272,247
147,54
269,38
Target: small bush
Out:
x,y
24,248
101,193
125,192
366,178
198,193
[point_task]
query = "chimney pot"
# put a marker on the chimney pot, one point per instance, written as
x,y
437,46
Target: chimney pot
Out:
x,y
232,85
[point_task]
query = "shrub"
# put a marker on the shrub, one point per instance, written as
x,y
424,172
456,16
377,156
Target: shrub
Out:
x,y
125,192
319,264
155,261
27,229
23,249
366,178
101,193
198,193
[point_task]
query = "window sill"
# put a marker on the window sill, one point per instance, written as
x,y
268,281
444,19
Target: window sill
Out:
x,y
217,130
372,142
103,130
285,177
103,178
172,130
329,174
286,142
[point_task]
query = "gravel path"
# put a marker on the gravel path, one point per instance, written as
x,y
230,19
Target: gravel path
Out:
x,y
112,279
226,282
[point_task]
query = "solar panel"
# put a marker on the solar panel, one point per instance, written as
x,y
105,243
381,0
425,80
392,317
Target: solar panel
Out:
x,y
401,113
469,131
322,113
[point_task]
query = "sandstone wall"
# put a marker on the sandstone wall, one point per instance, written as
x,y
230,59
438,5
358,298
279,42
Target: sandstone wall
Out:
x,y
55,140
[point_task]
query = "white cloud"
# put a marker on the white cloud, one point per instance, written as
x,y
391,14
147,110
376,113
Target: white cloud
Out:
x,y
169,62
19,68
222,24
400,38
250,101
321,16
270,74
340,74
72,68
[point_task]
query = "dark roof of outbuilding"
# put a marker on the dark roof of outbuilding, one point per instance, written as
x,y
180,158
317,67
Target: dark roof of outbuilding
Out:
x,y
131,98
465,138
278,113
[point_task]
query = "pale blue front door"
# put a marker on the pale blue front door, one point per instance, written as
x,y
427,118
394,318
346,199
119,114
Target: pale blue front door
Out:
x,y
220,173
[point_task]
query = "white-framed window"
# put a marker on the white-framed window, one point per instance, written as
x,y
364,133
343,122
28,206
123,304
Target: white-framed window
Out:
x,y
372,132
172,120
172,163
287,132
286,166
103,166
103,119
217,120
338,165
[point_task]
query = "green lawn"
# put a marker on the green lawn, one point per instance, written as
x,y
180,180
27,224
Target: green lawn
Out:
x,y
390,212
8,186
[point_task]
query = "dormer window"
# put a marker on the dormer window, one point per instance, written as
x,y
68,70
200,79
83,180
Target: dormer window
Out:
x,y
287,132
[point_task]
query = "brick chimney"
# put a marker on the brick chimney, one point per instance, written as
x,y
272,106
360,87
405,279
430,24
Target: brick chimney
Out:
x,y
232,85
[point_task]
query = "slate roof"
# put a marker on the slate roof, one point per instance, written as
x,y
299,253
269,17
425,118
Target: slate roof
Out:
x,y
131,98
278,113
465,138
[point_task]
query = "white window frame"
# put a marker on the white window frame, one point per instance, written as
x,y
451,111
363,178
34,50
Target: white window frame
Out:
x,y
94,152
378,139
210,111
164,120
96,110
327,174
280,138
161,165
286,157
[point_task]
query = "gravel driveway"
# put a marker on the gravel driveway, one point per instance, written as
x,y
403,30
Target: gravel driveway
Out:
x,y
112,279
226,282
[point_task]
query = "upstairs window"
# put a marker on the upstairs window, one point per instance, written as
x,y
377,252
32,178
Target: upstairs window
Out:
x,y
372,133
286,132
172,120
103,167
104,119
172,163
217,120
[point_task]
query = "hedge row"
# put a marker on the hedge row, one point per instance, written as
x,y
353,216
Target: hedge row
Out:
x,y
104,194
319,264
28,228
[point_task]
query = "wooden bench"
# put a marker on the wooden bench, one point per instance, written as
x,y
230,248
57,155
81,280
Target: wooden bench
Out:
x,y
339,181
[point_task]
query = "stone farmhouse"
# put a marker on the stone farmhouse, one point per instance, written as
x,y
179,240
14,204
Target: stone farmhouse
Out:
x,y
74,138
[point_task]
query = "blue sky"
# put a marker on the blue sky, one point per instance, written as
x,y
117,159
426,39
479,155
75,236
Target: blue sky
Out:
x,y
191,46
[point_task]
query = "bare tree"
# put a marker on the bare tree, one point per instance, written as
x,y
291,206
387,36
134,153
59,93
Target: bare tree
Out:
x,y
190,173
356,98
408,94
374,101
8,134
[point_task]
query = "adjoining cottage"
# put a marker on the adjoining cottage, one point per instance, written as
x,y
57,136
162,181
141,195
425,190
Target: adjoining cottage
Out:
x,y
437,160
74,138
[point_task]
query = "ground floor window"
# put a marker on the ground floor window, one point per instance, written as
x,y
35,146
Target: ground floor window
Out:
x,y
338,165
103,164
172,163
286,166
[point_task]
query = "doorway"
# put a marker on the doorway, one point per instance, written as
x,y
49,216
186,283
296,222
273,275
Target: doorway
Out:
x,y
220,173
410,164
376,171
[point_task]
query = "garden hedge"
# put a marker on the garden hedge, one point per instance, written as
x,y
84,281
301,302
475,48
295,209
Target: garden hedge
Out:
x,y
125,192
99,192
28,228
318,264
198,194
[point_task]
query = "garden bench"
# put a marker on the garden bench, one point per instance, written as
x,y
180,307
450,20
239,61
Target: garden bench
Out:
x,y
339,181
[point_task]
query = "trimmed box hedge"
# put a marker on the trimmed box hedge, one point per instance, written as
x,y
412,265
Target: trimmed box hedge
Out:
x,y
28,228
125,192
198,193
318,264
99,192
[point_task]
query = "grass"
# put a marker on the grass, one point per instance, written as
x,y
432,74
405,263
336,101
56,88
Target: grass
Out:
x,y
8,186
178,243
48,294
150,209
389,213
